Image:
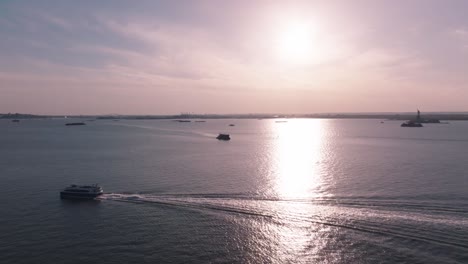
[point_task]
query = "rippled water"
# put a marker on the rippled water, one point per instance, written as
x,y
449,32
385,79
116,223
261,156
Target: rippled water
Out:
x,y
301,191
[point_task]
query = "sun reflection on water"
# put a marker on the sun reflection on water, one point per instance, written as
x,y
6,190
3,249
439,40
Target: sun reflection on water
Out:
x,y
298,152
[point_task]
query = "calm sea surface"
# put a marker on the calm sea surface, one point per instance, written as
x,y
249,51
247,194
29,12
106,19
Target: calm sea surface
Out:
x,y
301,191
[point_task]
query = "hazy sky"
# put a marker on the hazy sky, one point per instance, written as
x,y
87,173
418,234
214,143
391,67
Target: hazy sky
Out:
x,y
167,57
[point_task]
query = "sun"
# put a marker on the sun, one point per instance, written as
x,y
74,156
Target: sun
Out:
x,y
295,42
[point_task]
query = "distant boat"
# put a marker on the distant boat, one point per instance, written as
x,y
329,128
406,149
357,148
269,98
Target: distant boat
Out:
x,y
15,120
231,125
75,124
200,121
183,121
223,137
87,192
411,123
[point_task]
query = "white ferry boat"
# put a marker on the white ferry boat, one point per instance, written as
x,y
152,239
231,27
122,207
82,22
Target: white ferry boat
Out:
x,y
81,192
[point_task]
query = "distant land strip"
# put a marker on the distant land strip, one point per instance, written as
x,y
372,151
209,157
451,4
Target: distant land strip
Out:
x,y
385,116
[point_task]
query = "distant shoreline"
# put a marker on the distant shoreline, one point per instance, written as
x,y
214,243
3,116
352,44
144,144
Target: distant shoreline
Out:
x,y
385,116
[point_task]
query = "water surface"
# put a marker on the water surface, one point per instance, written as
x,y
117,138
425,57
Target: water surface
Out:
x,y
301,191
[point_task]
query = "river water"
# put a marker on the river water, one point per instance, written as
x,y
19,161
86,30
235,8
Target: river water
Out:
x,y
299,191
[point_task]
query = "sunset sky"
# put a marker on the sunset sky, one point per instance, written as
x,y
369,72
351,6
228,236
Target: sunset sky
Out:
x,y
168,57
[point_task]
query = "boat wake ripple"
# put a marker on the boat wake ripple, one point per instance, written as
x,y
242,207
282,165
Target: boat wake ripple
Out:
x,y
169,132
409,220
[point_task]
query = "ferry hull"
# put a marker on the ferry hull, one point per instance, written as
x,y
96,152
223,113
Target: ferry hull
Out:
x,y
78,196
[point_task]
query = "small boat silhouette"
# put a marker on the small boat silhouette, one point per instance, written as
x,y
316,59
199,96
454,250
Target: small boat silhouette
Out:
x,y
223,137
75,124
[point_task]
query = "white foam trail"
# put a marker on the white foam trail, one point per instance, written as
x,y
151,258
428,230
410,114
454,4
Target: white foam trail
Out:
x,y
186,132
226,205
408,224
120,196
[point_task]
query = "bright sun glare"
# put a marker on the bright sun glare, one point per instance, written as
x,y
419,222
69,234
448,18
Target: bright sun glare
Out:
x,y
296,42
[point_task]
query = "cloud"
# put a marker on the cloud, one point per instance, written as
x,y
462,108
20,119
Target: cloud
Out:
x,y
221,54
461,35
56,21
187,56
